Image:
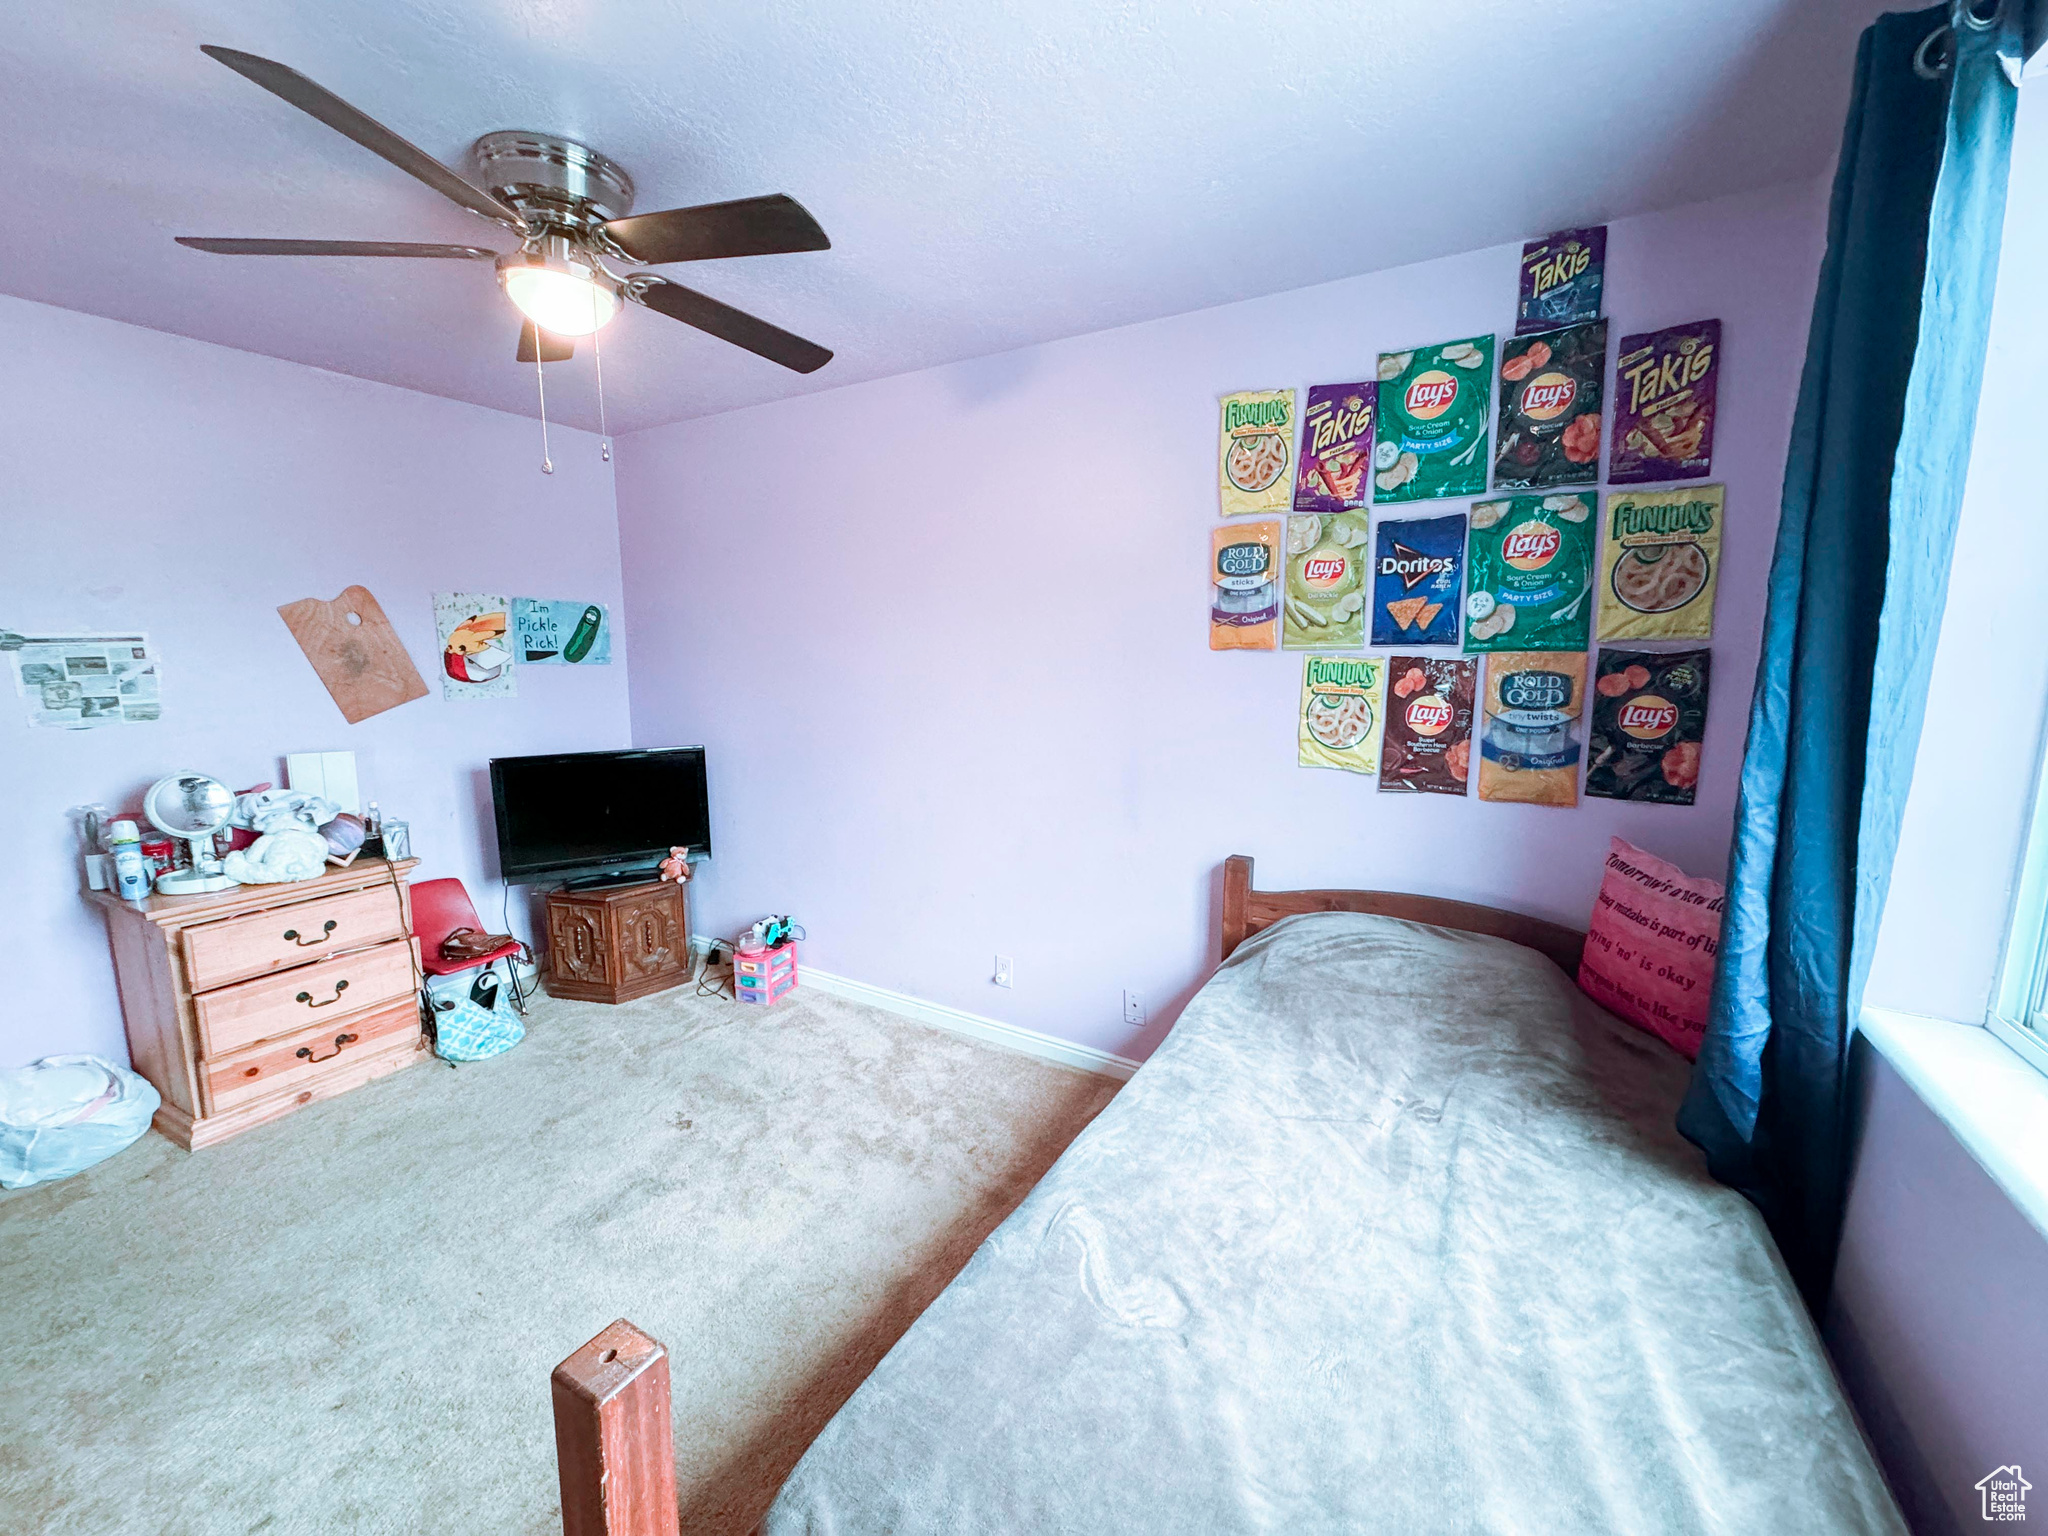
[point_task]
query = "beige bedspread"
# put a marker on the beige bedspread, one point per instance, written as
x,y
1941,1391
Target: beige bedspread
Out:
x,y
1392,1235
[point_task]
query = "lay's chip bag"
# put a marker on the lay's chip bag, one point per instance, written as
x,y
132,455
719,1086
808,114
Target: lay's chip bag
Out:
x,y
1529,584
1432,426
1325,600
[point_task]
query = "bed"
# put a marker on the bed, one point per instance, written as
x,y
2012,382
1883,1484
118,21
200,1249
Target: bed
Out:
x,y
1391,1235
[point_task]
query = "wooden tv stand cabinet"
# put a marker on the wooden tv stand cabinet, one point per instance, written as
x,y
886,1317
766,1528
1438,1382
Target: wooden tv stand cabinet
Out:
x,y
613,943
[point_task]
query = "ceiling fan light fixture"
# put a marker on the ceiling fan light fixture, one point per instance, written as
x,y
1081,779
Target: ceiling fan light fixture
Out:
x,y
559,293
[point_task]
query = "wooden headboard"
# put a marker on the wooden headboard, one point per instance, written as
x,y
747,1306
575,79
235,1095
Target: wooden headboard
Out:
x,y
1246,911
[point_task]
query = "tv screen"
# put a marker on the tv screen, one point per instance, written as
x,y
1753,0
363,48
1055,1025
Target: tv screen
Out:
x,y
595,812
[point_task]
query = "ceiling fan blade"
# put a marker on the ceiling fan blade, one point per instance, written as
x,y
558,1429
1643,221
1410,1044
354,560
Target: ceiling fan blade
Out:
x,y
550,347
728,324
318,101
335,248
748,226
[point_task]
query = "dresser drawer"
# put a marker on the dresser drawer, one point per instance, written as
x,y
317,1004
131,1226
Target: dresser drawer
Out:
x,y
302,999
296,1061
262,942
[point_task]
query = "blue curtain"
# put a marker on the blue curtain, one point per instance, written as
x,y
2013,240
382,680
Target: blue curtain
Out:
x,y
1873,483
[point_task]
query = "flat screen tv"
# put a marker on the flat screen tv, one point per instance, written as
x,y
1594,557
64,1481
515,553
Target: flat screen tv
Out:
x,y
594,815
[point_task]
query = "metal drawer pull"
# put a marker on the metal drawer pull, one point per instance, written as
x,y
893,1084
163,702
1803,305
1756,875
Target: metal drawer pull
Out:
x,y
307,997
326,933
339,1041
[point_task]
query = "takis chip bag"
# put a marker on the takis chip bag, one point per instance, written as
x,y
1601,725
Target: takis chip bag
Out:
x,y
1550,408
1664,389
1257,448
1426,746
1432,427
1336,448
1530,573
1418,579
1561,279
1325,598
1663,550
1341,702
1244,607
1649,717
1527,752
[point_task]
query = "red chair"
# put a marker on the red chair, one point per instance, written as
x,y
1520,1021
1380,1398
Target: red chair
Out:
x,y
439,908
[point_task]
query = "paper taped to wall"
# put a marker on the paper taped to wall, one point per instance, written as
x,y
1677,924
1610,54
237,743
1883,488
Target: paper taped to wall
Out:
x,y
77,682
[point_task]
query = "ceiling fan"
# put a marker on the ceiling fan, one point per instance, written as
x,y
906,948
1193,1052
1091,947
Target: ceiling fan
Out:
x,y
571,208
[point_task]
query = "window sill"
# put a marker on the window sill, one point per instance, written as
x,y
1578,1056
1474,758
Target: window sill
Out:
x,y
1995,1102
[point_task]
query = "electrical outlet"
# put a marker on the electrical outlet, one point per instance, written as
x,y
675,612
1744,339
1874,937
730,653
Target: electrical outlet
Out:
x,y
1134,1009
1002,975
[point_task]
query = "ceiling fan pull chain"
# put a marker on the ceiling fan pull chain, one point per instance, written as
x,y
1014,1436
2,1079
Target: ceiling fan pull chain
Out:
x,y
547,465
597,352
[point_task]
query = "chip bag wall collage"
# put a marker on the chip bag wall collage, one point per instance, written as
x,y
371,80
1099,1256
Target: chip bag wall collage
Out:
x,y
1442,539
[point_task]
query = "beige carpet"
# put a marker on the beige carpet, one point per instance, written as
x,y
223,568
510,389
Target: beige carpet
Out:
x,y
345,1321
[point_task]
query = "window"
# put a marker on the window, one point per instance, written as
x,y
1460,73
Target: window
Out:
x,y
2019,1004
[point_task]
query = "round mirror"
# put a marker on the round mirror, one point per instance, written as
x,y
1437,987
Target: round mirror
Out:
x,y
188,805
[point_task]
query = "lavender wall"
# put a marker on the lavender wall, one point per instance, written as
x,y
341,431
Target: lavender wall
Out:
x,y
945,636
188,490
1937,1322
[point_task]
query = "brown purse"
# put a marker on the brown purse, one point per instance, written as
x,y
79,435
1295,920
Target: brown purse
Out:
x,y
470,944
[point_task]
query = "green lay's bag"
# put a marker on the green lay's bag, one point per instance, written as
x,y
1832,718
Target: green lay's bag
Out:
x,y
1529,573
1432,426
1325,600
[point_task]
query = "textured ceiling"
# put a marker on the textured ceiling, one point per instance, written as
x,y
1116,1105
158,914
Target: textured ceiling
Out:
x,y
992,175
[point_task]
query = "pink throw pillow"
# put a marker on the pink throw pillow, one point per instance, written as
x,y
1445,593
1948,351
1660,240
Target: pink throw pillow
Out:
x,y
1651,946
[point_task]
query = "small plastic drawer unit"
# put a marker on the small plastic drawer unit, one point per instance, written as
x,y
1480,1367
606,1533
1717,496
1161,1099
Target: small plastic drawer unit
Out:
x,y
763,975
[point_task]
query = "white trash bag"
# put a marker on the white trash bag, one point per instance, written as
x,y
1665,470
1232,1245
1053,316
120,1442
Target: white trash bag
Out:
x,y
62,1114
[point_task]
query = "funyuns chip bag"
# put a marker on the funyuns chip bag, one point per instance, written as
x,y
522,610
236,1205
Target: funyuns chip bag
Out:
x,y
1342,701
1528,753
1257,450
1663,553
1244,600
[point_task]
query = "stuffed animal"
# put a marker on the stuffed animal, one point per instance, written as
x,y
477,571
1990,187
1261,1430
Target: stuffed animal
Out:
x,y
676,866
276,857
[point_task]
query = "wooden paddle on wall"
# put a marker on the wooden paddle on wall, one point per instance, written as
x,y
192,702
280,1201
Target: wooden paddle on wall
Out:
x,y
356,652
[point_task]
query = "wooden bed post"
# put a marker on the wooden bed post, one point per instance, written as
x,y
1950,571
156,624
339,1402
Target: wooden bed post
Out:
x,y
1237,897
613,1446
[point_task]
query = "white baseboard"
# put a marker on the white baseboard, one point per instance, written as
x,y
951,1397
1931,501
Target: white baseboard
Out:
x,y
1011,1037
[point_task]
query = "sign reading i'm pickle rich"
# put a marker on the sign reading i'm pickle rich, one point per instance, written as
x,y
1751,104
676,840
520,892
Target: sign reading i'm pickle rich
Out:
x,y
1663,554
1432,427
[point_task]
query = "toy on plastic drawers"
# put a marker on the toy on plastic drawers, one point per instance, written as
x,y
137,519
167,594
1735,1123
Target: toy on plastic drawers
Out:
x,y
762,973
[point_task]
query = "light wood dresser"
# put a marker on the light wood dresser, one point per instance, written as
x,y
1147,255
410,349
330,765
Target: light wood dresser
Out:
x,y
243,1005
